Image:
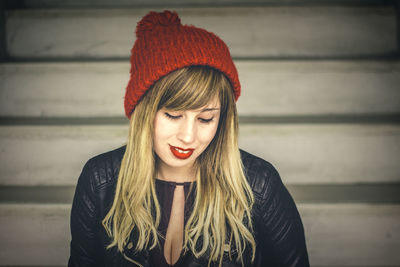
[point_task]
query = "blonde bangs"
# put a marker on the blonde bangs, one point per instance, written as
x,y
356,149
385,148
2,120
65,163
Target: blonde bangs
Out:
x,y
191,88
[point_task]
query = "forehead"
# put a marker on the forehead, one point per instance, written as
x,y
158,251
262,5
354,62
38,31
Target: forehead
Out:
x,y
213,104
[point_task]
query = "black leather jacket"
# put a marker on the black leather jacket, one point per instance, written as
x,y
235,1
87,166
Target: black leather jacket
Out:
x,y
278,229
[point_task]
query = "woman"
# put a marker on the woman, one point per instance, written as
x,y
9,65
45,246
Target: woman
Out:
x,y
181,193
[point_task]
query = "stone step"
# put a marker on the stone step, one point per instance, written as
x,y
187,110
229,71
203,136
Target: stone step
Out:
x,y
174,3
269,88
250,32
336,234
302,153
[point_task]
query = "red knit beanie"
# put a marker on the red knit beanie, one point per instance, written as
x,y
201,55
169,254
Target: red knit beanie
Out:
x,y
163,45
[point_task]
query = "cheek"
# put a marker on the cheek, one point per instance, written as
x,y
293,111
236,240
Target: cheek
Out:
x,y
208,135
163,129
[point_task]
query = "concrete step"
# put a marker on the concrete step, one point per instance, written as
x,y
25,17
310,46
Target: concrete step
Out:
x,y
266,31
174,3
269,88
302,153
336,234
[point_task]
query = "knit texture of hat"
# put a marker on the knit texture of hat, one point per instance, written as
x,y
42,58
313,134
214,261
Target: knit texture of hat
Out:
x,y
163,45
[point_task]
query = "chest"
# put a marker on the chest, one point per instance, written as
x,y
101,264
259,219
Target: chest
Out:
x,y
175,211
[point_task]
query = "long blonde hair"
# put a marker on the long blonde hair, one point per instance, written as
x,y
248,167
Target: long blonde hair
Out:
x,y
222,210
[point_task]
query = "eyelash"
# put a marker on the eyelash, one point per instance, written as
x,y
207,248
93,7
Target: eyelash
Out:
x,y
177,117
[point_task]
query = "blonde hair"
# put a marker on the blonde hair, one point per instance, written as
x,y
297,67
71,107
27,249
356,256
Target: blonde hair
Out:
x,y
223,202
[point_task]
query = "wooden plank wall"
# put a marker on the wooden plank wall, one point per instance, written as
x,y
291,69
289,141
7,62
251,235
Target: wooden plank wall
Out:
x,y
320,100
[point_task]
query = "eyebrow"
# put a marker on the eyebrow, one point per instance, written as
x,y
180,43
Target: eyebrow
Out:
x,y
209,109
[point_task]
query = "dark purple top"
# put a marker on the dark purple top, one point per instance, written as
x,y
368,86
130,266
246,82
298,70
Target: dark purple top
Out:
x,y
165,195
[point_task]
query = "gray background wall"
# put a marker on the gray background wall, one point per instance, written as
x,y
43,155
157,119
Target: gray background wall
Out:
x,y
320,100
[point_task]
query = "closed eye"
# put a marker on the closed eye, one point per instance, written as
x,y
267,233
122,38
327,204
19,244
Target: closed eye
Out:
x,y
206,120
171,116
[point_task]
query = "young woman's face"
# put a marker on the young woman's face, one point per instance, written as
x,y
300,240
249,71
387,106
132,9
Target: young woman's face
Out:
x,y
181,136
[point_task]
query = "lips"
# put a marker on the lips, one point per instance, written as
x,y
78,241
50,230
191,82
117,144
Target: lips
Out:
x,y
181,153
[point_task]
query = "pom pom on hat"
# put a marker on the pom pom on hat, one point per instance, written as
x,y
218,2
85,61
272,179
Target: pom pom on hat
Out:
x,y
163,45
155,20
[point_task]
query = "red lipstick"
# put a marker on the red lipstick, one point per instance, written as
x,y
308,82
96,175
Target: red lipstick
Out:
x,y
181,153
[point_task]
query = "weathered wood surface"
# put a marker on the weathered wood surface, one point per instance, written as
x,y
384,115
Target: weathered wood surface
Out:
x,y
269,88
302,153
336,234
310,31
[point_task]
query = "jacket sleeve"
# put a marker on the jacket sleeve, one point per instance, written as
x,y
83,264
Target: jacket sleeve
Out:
x,y
83,222
283,232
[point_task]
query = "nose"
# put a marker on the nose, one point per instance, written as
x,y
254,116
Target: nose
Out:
x,y
187,131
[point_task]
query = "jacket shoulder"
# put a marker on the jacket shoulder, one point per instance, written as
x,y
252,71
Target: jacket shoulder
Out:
x,y
104,168
260,174
277,222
